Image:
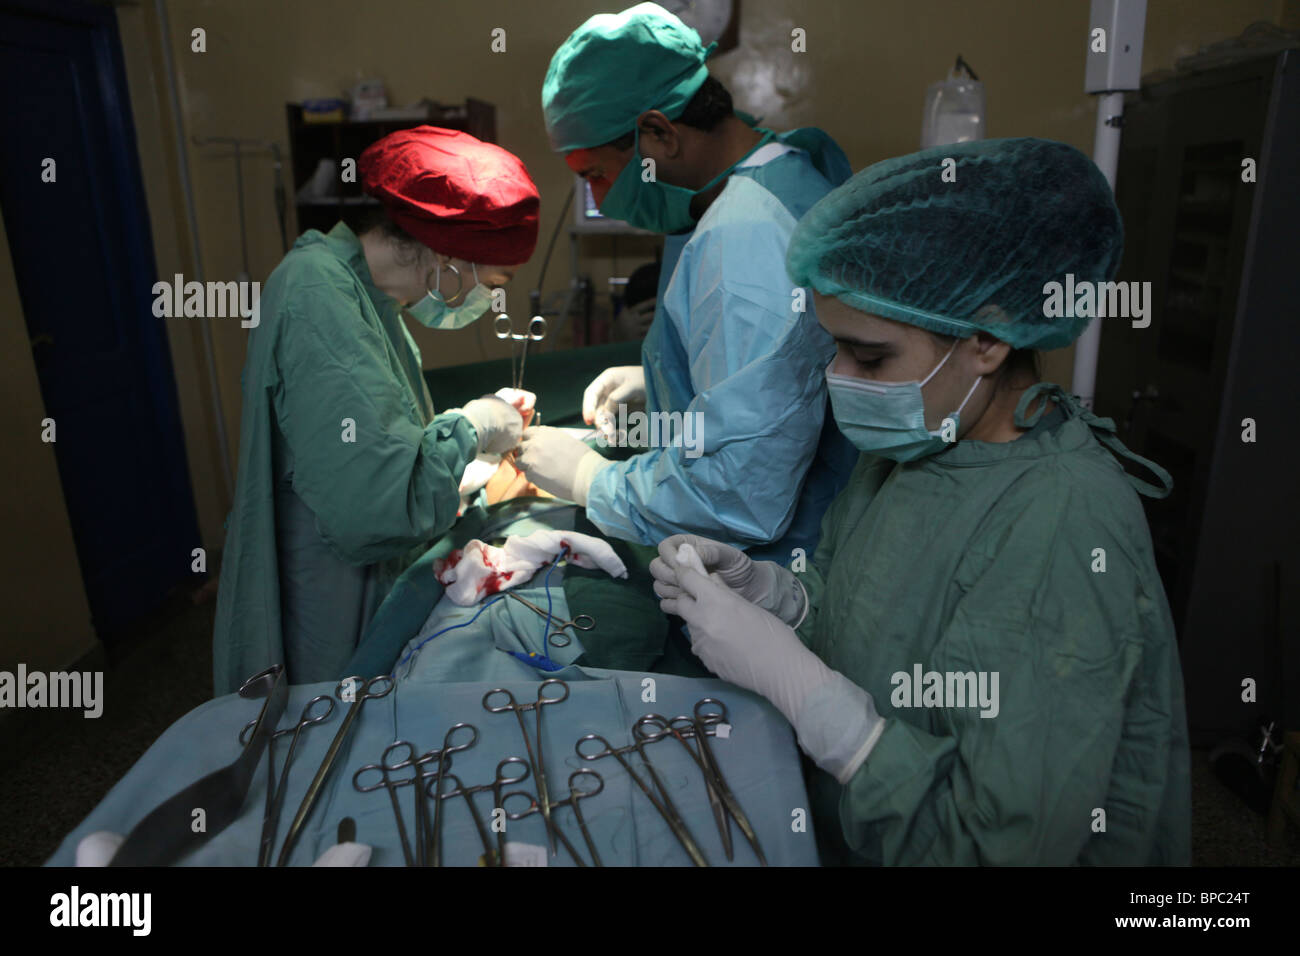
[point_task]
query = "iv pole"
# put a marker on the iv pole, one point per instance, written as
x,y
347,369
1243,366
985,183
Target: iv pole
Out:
x,y
1110,71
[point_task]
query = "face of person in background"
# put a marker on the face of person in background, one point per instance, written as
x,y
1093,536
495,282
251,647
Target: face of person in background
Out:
x,y
599,166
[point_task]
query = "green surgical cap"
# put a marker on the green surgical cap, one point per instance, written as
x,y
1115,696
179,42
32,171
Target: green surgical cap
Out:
x,y
615,67
969,255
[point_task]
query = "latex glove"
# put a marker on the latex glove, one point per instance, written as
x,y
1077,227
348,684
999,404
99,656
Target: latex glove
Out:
x,y
96,849
620,385
346,854
764,583
478,473
521,399
497,423
835,720
558,463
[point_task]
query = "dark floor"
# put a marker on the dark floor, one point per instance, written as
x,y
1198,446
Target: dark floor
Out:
x,y
62,765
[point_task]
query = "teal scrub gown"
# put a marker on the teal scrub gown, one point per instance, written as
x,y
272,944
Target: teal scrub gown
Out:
x,y
988,557
345,475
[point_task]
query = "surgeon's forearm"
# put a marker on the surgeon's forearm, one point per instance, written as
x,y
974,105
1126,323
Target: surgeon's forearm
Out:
x,y
657,494
399,500
903,799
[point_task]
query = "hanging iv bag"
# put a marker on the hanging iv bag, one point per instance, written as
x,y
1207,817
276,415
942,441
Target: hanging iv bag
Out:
x,y
954,109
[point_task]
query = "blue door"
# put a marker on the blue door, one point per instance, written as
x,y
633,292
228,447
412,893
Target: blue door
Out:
x,y
83,257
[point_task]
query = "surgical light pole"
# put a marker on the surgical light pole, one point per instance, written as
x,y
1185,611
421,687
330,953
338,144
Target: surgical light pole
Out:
x,y
1115,34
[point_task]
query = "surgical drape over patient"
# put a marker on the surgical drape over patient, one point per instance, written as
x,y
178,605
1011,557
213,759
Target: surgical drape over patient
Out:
x,y
962,247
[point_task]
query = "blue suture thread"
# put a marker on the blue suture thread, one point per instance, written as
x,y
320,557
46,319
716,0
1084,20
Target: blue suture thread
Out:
x,y
543,661
453,627
546,584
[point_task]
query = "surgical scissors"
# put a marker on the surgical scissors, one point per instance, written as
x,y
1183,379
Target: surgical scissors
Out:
x,y
346,689
275,795
576,795
490,856
666,809
536,760
581,622
535,332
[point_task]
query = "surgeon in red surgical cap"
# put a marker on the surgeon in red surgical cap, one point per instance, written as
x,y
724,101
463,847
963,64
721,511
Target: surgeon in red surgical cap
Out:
x,y
345,472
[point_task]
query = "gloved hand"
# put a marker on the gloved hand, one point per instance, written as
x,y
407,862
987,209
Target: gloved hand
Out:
x,y
620,385
835,720
522,399
764,583
558,463
346,854
497,423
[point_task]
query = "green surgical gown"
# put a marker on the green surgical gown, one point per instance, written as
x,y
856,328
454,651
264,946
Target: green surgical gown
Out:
x,y
987,557
345,475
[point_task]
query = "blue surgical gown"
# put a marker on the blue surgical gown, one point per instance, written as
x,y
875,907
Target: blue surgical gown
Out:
x,y
345,474
728,343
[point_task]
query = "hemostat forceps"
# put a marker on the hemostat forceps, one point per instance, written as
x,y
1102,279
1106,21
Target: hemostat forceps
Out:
x,y
275,794
536,761
721,799
576,795
557,638
491,857
384,768
535,332
666,808
357,691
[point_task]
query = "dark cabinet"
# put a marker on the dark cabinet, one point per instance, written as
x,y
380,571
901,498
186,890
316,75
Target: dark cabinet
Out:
x,y
1222,351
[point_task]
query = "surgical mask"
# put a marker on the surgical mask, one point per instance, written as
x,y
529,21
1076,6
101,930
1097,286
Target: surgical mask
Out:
x,y
888,418
434,311
658,206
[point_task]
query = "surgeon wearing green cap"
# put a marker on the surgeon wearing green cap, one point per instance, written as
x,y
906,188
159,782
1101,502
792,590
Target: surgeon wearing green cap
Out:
x,y
629,102
980,658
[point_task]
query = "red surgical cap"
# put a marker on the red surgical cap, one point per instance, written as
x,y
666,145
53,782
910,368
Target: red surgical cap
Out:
x,y
458,195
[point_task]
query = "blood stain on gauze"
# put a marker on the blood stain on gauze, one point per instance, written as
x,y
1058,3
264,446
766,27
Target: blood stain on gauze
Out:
x,y
473,573
480,570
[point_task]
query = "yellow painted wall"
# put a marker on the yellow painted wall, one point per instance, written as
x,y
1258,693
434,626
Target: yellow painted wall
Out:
x,y
863,79
44,618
